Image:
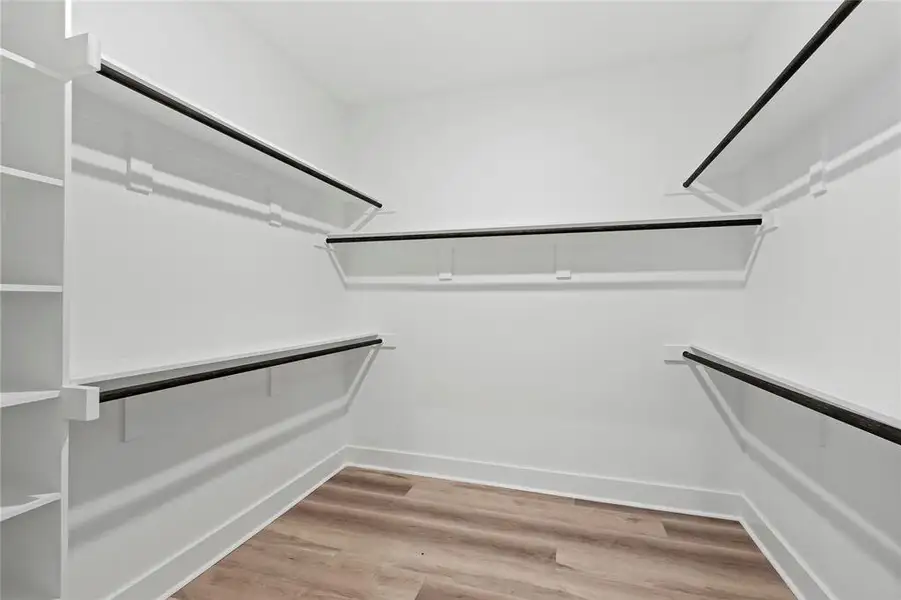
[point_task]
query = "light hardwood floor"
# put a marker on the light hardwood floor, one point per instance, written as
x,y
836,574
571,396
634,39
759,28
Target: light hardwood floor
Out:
x,y
367,535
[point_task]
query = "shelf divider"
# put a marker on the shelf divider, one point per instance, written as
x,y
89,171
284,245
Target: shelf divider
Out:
x,y
30,176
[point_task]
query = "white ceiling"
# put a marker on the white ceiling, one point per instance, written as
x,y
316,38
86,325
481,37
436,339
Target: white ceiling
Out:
x,y
370,51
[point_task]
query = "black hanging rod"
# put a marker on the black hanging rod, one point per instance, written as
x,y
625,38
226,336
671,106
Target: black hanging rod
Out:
x,y
804,398
822,34
743,221
128,80
172,382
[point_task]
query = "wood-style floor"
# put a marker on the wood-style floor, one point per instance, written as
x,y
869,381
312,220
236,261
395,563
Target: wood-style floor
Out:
x,y
367,535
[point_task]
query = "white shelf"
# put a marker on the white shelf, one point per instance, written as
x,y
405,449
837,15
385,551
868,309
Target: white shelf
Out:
x,y
30,176
8,399
15,500
31,289
687,251
220,361
19,72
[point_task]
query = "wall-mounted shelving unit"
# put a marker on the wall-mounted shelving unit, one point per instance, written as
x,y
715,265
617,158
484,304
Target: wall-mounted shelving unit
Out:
x,y
126,385
791,139
36,65
121,87
668,251
881,426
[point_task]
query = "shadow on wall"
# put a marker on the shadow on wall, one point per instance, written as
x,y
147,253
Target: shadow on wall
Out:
x,y
853,130
182,438
115,144
851,478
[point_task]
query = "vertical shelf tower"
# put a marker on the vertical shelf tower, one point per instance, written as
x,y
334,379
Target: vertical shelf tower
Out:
x,y
38,60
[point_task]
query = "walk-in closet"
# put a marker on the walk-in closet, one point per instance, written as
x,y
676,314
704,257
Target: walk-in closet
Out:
x,y
450,300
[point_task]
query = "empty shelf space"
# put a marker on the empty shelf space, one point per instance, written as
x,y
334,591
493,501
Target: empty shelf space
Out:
x,y
8,399
11,172
31,289
17,499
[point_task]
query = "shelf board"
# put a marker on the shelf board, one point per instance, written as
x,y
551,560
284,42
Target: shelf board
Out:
x,y
732,220
880,425
20,72
856,39
31,289
132,383
30,176
8,399
15,500
135,92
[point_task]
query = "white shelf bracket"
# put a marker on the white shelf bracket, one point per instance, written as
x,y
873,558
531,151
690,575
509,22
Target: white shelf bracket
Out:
x,y
80,403
363,221
816,179
704,193
139,176
672,353
446,264
80,55
770,222
824,430
275,214
389,341
561,273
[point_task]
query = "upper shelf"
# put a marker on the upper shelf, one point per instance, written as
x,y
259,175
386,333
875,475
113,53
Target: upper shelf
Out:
x,y
127,88
820,105
684,251
750,220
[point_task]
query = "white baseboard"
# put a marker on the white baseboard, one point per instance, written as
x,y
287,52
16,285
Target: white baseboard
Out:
x,y
798,576
188,564
193,561
643,494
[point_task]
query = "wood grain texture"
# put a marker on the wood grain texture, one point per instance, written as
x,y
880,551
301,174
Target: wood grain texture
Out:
x,y
367,535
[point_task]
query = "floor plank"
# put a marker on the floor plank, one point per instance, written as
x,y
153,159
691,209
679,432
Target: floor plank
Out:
x,y
368,535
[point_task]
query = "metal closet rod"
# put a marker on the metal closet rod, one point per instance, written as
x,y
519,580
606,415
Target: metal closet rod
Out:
x,y
124,78
807,400
812,45
172,382
546,230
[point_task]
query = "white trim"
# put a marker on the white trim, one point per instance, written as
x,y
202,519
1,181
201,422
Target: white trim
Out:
x,y
626,492
193,560
794,570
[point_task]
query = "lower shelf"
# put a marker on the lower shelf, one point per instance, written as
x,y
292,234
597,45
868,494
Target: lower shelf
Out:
x,y
31,289
15,501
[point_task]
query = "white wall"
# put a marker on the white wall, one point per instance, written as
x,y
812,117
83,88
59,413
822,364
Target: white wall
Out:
x,y
180,275
823,308
567,380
